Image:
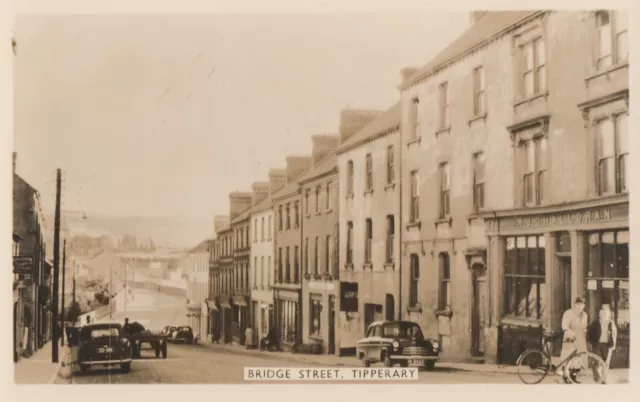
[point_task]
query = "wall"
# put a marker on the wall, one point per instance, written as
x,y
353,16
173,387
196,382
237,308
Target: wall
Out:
x,y
262,273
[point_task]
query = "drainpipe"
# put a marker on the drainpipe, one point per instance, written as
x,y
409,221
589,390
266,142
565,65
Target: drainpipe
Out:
x,y
401,228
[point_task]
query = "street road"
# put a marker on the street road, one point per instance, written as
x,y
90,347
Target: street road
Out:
x,y
212,364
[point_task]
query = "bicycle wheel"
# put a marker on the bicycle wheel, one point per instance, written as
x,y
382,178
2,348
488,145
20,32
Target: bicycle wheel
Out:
x,y
533,366
586,368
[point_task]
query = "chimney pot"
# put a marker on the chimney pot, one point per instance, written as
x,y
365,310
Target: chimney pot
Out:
x,y
260,192
296,166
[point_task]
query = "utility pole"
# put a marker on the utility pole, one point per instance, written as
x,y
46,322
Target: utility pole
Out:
x,y
64,275
73,284
56,270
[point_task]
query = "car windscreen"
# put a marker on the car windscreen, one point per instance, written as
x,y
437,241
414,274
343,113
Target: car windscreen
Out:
x,y
402,330
185,329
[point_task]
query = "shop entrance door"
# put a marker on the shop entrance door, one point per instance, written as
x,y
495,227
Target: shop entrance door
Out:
x,y
332,328
478,314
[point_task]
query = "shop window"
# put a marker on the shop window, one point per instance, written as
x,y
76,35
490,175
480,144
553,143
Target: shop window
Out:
x,y
315,323
524,277
608,274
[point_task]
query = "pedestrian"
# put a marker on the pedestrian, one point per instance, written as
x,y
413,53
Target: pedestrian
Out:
x,y
248,337
603,334
88,320
574,327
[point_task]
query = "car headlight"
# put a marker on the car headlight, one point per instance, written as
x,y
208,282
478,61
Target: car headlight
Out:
x,y
395,344
436,345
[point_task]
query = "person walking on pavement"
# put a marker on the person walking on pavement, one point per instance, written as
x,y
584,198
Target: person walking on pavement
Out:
x,y
574,328
248,337
603,334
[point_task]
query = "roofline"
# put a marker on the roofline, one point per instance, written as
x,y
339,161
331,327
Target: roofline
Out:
x,y
364,141
289,194
329,172
421,77
320,162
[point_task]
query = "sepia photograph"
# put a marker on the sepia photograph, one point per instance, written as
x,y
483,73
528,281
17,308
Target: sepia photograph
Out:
x,y
321,198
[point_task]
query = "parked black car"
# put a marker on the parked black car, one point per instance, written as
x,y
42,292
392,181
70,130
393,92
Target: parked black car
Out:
x,y
181,334
398,342
102,344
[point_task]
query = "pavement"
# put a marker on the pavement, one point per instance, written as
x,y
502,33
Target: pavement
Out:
x,y
38,368
207,363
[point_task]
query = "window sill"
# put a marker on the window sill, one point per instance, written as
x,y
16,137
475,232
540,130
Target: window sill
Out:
x,y
417,308
307,216
306,276
446,312
530,98
390,186
389,264
367,265
368,192
348,266
328,211
445,219
482,117
296,227
415,141
318,213
443,130
606,71
415,224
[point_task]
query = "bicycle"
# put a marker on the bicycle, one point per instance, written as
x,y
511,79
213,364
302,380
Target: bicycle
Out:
x,y
538,361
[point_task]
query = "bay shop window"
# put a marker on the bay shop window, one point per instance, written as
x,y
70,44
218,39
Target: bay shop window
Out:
x,y
524,277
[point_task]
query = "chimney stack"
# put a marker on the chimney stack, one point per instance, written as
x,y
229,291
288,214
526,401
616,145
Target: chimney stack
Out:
x,y
238,203
260,192
219,222
323,145
277,180
296,166
353,120
15,156
407,73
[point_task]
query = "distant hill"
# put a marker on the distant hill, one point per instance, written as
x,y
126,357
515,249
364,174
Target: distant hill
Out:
x,y
171,232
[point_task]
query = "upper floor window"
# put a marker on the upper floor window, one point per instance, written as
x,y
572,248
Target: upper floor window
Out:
x,y
296,264
414,119
369,172
287,276
269,228
280,217
478,181
613,154
306,256
255,230
368,240
414,209
390,237
318,200
315,256
327,255
288,216
445,185
296,214
478,91
262,228
613,47
444,104
350,178
415,279
307,207
535,169
533,64
391,173
327,200
349,242
445,282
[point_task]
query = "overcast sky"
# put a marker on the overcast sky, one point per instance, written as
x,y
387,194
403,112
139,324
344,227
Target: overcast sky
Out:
x,y
165,115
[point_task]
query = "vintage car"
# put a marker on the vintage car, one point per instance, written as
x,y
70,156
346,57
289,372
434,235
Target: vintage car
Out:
x,y
397,342
103,344
182,333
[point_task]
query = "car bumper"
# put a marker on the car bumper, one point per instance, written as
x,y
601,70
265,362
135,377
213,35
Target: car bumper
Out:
x,y
105,362
404,357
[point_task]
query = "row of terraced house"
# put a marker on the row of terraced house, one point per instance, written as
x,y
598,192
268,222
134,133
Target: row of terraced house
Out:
x,y
489,196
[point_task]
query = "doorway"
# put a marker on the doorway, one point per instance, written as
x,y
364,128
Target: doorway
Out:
x,y
372,313
565,279
332,329
389,307
479,304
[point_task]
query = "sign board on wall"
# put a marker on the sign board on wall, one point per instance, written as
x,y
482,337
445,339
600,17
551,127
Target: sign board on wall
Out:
x,y
349,296
592,284
22,264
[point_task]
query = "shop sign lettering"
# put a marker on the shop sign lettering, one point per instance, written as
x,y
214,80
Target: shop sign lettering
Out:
x,y
564,218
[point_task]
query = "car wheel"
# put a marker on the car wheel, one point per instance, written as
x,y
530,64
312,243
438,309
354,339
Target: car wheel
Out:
x,y
430,365
164,350
126,367
387,361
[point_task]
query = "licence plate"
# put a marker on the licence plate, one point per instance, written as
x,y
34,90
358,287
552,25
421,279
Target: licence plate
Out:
x,y
105,350
416,362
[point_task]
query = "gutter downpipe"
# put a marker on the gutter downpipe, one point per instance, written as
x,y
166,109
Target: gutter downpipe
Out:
x,y
401,231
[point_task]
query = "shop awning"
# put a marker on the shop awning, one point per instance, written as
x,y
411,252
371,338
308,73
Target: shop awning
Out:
x,y
211,304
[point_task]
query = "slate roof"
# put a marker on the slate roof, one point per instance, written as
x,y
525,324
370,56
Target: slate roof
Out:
x,y
489,25
325,165
261,206
286,190
388,121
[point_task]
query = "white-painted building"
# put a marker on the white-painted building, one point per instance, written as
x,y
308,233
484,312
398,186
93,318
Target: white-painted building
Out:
x,y
196,266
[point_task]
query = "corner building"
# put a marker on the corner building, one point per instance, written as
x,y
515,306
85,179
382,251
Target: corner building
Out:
x,y
525,150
